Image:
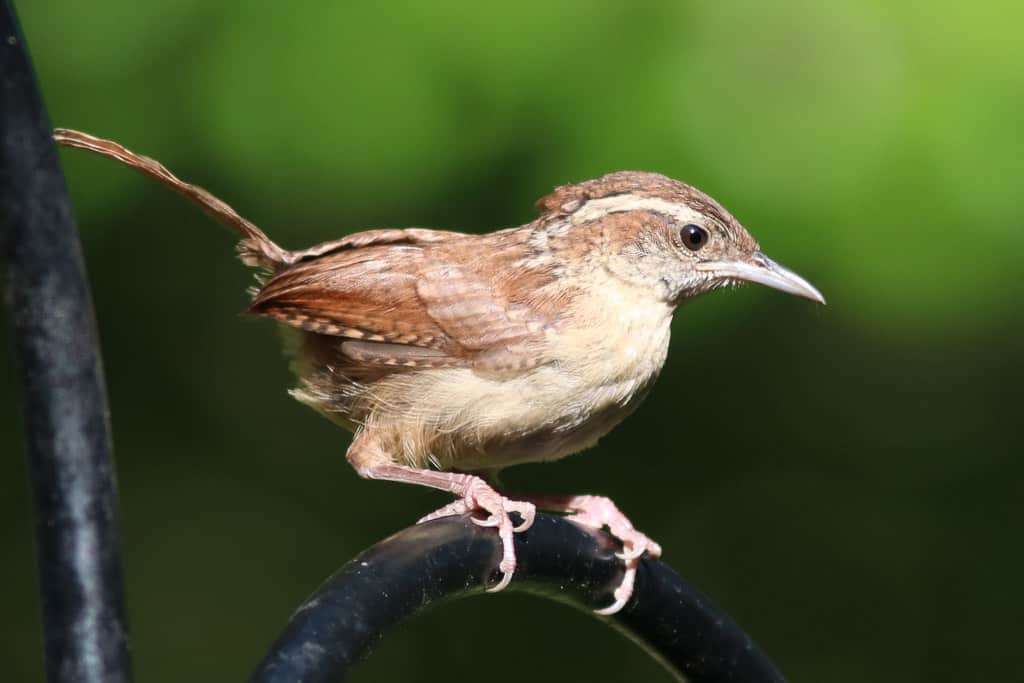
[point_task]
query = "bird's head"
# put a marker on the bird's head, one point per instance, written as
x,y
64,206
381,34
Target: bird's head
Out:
x,y
663,234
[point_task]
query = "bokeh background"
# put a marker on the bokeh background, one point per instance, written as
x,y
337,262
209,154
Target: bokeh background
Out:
x,y
845,481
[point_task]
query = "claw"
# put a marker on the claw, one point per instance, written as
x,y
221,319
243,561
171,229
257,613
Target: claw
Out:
x,y
622,593
612,608
473,494
477,495
632,554
528,517
524,526
598,512
457,507
493,520
506,579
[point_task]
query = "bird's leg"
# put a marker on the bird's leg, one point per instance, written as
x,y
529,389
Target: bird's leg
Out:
x,y
599,512
474,494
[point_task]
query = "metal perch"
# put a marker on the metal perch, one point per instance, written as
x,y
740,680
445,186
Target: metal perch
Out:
x,y
451,558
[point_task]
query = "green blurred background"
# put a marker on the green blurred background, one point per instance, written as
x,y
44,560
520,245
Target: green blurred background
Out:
x,y
841,480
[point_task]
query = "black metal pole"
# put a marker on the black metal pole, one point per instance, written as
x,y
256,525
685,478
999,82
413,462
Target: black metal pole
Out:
x,y
451,558
63,397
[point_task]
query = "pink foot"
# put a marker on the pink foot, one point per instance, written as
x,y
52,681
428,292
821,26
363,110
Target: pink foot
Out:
x,y
478,495
473,494
598,512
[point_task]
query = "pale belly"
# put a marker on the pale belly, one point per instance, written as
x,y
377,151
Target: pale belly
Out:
x,y
461,419
593,377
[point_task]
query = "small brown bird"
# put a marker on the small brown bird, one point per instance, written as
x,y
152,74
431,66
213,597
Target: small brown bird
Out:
x,y
453,356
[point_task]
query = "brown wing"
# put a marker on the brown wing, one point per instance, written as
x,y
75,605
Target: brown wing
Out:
x,y
442,300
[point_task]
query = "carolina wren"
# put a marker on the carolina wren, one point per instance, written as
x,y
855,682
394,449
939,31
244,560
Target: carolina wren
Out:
x,y
452,356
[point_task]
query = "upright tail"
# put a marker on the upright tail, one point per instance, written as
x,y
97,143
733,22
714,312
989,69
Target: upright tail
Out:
x,y
255,248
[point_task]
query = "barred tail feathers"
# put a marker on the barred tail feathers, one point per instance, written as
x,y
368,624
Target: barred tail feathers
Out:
x,y
255,248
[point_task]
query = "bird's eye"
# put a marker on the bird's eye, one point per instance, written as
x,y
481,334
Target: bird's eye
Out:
x,y
694,236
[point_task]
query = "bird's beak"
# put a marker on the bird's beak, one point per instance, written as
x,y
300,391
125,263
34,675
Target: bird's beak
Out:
x,y
762,270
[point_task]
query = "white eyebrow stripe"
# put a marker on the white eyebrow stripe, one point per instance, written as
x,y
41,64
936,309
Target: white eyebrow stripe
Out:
x,y
595,208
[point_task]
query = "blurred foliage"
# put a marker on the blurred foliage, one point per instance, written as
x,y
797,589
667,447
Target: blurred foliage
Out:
x,y
839,479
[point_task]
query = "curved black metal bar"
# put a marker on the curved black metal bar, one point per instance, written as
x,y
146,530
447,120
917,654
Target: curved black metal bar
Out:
x,y
451,558
63,397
